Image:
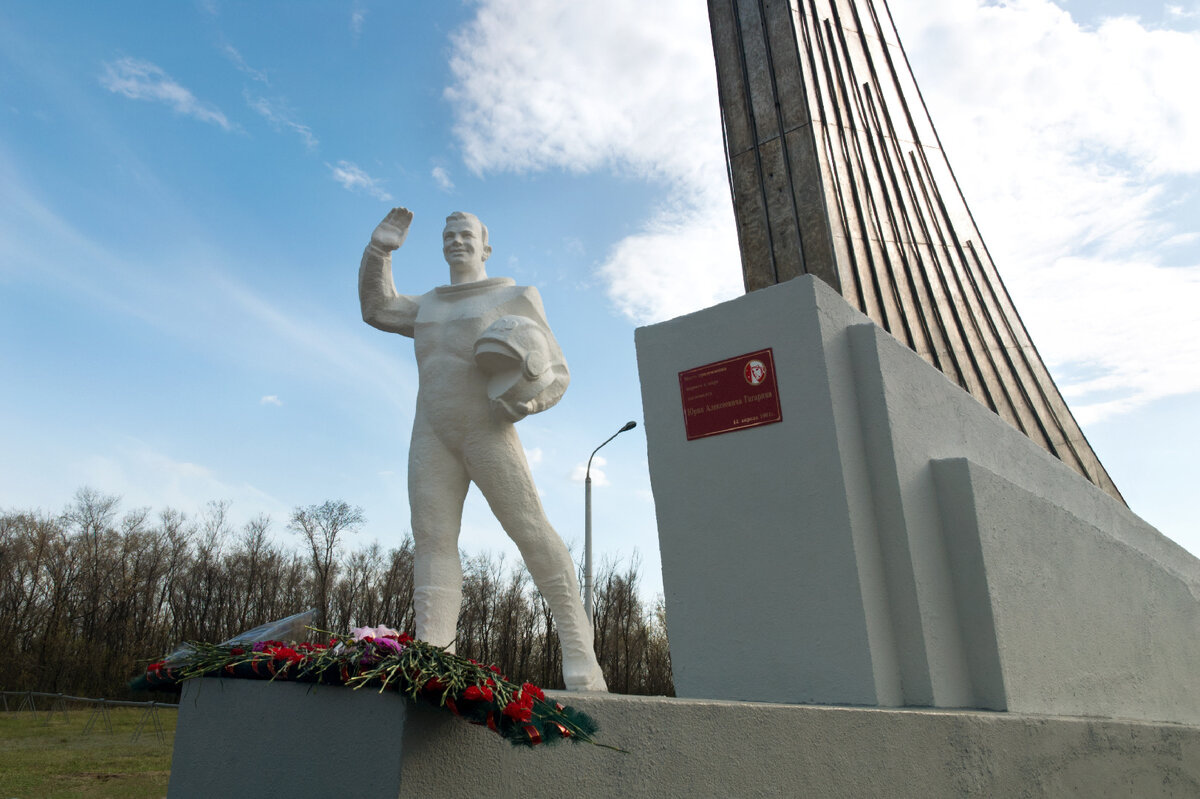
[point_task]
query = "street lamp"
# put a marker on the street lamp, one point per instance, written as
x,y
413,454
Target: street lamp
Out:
x,y
587,524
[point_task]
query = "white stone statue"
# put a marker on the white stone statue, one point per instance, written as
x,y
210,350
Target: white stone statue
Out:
x,y
486,359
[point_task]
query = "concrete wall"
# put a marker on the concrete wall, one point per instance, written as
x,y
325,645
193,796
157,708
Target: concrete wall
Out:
x,y
880,544
1061,617
678,748
766,534
249,737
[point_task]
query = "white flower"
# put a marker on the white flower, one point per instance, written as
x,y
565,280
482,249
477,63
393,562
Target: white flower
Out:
x,y
360,633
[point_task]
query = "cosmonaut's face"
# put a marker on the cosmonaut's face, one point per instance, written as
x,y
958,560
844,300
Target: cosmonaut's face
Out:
x,y
462,244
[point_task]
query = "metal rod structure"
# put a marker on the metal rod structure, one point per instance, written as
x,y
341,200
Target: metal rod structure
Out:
x,y
587,524
836,170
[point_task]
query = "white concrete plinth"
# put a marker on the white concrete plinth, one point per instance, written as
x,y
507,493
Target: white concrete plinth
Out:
x,y
892,542
249,738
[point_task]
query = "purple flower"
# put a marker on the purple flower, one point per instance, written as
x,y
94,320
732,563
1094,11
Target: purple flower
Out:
x,y
389,643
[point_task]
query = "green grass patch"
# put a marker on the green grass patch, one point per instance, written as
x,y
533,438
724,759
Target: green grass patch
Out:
x,y
56,758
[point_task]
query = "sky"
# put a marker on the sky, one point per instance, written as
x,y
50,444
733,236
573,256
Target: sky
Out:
x,y
186,190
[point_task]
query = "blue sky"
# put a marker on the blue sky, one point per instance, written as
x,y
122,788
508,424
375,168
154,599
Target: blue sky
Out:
x,y
186,189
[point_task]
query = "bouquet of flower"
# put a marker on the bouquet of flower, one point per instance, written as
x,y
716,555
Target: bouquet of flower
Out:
x,y
389,660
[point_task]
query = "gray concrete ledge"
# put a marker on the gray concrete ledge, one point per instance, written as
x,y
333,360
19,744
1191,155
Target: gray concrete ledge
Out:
x,y
678,748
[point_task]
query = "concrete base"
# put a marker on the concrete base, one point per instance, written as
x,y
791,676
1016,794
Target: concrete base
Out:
x,y
892,542
245,738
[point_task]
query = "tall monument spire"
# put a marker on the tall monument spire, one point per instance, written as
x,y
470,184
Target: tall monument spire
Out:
x,y
837,171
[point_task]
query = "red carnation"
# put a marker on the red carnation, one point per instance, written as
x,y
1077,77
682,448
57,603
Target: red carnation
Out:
x,y
532,691
285,653
237,650
479,692
518,712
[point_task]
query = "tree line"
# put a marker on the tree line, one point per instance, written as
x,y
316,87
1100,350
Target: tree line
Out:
x,y
88,597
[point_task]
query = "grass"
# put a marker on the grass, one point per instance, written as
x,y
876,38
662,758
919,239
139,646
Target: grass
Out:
x,y
56,758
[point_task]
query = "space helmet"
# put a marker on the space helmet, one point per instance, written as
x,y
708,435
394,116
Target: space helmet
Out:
x,y
515,355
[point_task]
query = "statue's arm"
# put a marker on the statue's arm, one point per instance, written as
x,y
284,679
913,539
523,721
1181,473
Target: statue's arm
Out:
x,y
382,306
553,392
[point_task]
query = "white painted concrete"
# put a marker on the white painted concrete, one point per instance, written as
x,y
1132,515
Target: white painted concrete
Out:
x,y
892,542
765,533
1058,616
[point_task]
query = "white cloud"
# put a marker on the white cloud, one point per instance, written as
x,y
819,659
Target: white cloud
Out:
x,y
623,86
581,86
142,80
207,305
271,399
684,259
442,178
144,477
534,456
1129,348
236,59
1066,156
599,478
353,178
1182,239
358,15
280,116
1065,153
318,338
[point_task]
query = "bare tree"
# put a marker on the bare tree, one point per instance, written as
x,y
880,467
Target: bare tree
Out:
x,y
631,644
322,526
88,597
91,515
396,590
247,566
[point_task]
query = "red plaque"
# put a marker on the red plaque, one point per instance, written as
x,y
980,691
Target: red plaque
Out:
x,y
730,395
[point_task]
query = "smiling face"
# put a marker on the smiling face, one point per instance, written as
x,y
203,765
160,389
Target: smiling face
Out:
x,y
464,243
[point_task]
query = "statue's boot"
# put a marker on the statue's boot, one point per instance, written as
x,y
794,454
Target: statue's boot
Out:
x,y
581,670
436,610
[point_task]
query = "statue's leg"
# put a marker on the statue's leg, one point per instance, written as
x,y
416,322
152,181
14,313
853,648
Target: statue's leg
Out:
x,y
497,464
437,487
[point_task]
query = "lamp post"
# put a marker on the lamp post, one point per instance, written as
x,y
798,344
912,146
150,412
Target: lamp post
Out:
x,y
587,524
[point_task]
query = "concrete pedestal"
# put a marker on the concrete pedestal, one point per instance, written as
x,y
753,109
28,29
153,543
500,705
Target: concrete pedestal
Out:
x,y
248,738
892,542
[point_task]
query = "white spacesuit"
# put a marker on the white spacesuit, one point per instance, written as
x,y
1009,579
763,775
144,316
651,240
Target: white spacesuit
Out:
x,y
486,358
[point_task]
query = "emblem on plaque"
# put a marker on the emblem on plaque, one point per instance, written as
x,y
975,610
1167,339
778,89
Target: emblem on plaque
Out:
x,y
756,372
